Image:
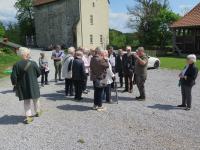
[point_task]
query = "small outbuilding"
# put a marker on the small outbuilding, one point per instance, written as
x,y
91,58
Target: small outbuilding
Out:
x,y
186,32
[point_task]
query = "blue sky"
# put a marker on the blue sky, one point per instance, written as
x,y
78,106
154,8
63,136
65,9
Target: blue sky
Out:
x,y
118,11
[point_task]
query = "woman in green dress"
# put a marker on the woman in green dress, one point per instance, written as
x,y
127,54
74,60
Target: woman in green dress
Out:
x,y
24,79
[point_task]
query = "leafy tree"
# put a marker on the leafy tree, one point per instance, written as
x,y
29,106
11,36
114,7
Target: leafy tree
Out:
x,y
25,18
13,33
2,30
151,19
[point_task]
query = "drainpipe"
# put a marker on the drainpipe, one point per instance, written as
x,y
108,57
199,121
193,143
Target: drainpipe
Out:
x,y
81,19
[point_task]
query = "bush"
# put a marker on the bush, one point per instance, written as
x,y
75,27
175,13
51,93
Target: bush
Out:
x,y
6,50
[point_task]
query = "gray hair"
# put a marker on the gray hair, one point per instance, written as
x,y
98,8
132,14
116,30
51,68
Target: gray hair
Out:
x,y
71,50
140,49
99,50
23,51
192,57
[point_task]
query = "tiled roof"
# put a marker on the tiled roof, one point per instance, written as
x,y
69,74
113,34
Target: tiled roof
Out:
x,y
10,44
41,2
191,19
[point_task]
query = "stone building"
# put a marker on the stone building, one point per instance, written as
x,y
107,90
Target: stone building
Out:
x,y
79,23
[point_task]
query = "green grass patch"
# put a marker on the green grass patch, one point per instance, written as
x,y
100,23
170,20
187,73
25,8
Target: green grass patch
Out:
x,y
7,61
174,63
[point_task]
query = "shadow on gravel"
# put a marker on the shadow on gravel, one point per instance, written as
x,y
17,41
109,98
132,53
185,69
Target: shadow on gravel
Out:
x,y
74,107
7,92
54,96
163,107
6,120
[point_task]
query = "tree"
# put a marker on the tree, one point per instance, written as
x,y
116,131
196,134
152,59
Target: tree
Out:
x,y
13,33
151,19
2,30
25,18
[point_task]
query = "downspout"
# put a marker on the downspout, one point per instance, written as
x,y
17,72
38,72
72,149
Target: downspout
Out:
x,y
80,9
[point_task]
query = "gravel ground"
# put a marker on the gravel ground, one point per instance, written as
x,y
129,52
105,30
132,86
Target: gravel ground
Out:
x,y
155,124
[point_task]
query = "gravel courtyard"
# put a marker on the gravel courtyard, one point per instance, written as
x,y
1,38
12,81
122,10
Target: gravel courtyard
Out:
x,y
155,124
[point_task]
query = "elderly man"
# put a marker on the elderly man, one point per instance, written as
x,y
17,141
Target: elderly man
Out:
x,y
24,79
98,66
119,67
67,71
57,56
187,81
112,59
128,62
141,71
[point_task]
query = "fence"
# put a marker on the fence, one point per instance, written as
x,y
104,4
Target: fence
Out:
x,y
156,53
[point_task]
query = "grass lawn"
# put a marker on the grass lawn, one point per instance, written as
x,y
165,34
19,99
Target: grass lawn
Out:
x,y
174,63
7,61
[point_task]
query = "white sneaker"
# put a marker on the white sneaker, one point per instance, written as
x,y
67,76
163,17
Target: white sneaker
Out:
x,y
101,108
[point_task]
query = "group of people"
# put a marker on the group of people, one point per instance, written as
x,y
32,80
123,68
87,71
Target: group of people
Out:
x,y
76,65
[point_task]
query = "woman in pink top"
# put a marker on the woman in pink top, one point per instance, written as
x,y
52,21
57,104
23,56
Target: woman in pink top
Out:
x,y
86,60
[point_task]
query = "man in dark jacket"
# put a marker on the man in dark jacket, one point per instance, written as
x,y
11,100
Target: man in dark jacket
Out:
x,y
187,81
128,69
24,79
98,66
119,67
78,74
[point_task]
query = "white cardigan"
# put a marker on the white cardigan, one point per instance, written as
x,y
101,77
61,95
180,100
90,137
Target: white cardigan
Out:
x,y
109,75
65,72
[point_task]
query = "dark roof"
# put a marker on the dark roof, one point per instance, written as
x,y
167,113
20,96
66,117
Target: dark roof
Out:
x,y
42,2
9,44
191,19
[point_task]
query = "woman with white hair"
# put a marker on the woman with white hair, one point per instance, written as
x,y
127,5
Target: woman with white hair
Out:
x,y
187,81
67,71
24,78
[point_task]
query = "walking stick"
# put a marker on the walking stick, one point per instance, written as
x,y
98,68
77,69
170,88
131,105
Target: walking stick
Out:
x,y
116,92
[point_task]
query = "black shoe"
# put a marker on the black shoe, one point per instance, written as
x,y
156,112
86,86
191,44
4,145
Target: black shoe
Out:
x,y
56,80
47,83
78,99
124,91
140,98
71,94
61,80
181,106
187,108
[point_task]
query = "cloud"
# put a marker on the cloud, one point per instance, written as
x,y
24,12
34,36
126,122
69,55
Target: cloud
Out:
x,y
7,11
119,21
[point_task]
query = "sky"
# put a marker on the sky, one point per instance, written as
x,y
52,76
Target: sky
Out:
x,y
118,11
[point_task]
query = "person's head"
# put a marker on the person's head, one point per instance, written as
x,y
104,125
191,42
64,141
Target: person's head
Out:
x,y
99,51
106,54
92,52
42,55
128,49
86,51
24,53
110,50
71,51
140,51
191,59
120,52
58,47
79,54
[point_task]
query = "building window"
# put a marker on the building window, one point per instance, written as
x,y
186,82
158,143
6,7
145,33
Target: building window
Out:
x,y
93,4
91,20
91,39
101,39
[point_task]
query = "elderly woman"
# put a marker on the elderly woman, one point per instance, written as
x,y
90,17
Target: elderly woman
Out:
x,y
187,81
67,71
24,79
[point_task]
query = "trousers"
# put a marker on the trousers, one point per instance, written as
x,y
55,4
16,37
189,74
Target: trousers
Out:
x,y
27,107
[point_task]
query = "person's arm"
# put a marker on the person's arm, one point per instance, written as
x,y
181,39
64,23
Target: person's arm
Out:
x,y
193,75
37,70
14,74
141,61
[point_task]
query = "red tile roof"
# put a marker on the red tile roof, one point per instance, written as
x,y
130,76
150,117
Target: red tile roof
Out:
x,y
191,19
41,2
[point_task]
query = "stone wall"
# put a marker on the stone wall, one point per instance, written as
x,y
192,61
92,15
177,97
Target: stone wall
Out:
x,y
56,23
